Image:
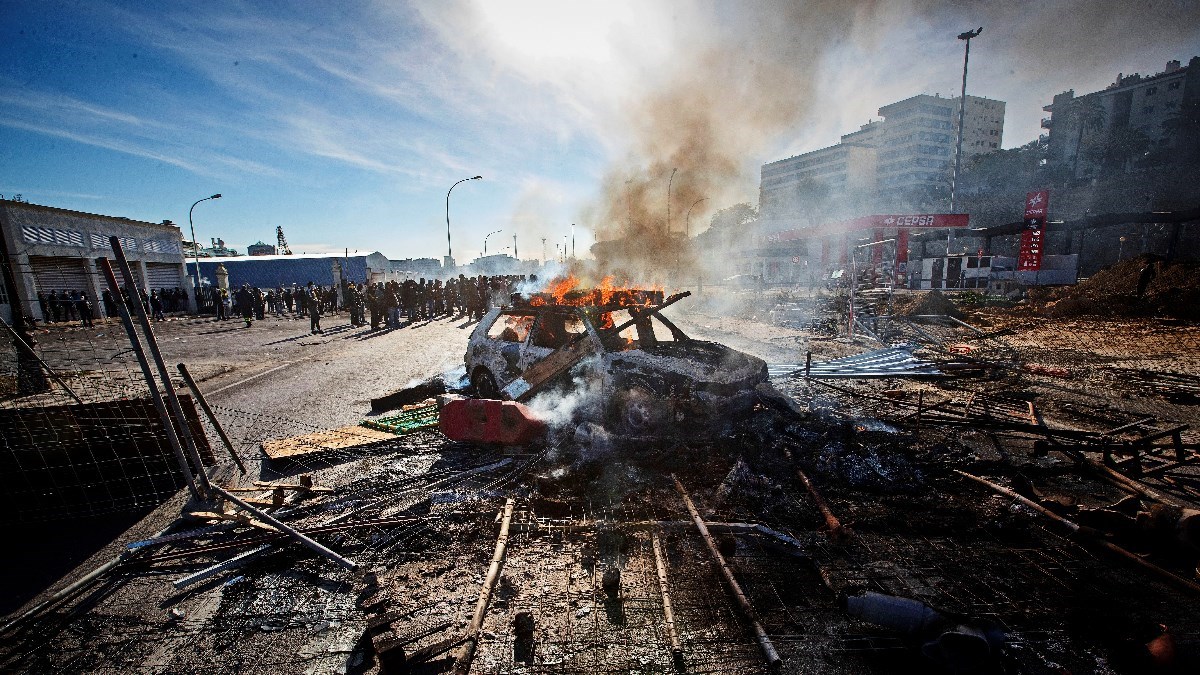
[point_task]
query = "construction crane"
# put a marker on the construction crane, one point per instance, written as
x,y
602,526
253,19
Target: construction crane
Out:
x,y
281,246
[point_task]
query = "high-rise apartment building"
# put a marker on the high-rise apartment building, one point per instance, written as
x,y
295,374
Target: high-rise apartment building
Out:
x,y
913,145
1083,129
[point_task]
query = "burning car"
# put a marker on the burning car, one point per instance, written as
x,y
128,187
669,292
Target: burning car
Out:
x,y
649,375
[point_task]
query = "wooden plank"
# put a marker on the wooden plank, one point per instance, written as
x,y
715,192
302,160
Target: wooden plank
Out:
x,y
342,438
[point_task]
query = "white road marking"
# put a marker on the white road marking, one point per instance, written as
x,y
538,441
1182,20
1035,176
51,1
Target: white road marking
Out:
x,y
247,379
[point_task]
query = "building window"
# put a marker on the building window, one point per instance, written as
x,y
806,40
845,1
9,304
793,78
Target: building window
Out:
x,y
1172,85
1151,91
52,236
993,145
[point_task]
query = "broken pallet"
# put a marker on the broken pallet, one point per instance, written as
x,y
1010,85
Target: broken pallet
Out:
x,y
342,438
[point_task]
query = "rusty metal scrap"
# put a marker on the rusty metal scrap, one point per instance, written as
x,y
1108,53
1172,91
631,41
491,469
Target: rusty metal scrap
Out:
x,y
833,525
1085,535
195,389
764,641
660,564
462,662
288,529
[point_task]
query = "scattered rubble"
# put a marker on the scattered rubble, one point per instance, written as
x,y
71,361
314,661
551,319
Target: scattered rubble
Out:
x,y
984,521
1147,285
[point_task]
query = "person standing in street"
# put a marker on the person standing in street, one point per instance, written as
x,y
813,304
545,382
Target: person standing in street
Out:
x,y
244,304
84,306
314,312
156,307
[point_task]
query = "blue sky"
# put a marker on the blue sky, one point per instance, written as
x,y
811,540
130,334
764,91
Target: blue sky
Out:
x,y
347,122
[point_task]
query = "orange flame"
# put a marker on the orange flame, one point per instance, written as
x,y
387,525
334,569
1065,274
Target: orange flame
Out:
x,y
565,291
560,287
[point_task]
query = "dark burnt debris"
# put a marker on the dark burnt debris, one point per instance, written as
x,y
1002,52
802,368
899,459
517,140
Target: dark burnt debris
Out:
x,y
677,505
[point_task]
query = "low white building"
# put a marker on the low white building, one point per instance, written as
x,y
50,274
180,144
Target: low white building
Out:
x,y
992,272
55,249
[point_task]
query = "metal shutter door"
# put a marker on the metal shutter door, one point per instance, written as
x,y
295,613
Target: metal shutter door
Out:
x,y
59,274
162,275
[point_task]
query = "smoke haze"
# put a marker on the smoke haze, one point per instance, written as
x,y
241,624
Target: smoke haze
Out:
x,y
710,91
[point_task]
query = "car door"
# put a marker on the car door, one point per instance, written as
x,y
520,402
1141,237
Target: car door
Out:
x,y
541,341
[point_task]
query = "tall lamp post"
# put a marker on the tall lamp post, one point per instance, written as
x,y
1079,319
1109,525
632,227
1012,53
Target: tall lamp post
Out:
x,y
687,223
962,112
669,184
449,251
485,238
196,245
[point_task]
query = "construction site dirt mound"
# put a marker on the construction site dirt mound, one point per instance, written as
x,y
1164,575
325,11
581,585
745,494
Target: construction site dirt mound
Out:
x,y
1147,285
933,302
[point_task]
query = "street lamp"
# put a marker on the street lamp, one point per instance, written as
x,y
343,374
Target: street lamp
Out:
x,y
688,222
669,183
449,251
486,238
196,245
962,112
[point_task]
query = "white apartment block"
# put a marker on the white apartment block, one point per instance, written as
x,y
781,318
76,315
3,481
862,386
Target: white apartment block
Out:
x,y
912,145
1146,104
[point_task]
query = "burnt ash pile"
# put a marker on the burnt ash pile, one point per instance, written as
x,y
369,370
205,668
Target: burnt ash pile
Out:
x,y
591,544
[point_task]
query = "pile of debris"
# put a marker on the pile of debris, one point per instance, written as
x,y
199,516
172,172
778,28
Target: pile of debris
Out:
x,y
925,304
1147,285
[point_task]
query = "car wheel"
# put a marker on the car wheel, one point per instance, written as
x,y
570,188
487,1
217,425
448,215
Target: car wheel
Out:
x,y
640,413
484,384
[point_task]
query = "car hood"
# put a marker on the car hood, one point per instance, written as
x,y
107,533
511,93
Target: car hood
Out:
x,y
695,362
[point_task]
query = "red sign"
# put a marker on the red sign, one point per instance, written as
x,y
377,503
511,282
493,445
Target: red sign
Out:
x,y
1037,205
902,247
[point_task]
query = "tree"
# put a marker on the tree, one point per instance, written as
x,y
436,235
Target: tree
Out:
x,y
1120,148
1085,114
1184,127
733,218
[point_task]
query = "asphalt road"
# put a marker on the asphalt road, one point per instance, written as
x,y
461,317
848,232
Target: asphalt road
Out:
x,y
278,368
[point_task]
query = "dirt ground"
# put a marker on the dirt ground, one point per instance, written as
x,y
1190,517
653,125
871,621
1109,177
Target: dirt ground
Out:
x,y
580,591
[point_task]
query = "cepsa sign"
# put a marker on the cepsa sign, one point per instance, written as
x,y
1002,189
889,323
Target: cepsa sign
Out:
x,y
910,221
916,221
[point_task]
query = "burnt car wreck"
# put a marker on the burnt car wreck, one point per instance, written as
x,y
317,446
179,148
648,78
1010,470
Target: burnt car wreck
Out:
x,y
645,375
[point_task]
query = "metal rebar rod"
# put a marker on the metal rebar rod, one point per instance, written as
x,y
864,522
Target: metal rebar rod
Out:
x,y
235,561
264,538
1076,529
155,395
466,653
668,612
152,344
191,384
424,488
836,531
50,371
764,642
287,529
